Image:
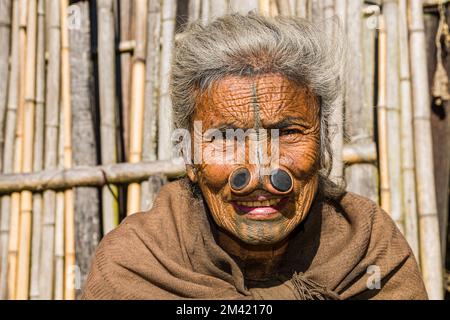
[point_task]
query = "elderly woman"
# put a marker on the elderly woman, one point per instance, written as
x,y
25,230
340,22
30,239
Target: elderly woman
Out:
x,y
276,229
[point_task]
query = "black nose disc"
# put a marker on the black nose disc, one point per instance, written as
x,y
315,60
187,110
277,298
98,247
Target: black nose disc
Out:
x,y
281,180
240,178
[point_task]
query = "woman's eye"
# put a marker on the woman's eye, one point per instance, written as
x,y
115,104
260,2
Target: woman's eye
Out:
x,y
288,132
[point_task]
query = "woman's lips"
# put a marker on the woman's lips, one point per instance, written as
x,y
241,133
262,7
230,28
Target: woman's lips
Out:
x,y
260,210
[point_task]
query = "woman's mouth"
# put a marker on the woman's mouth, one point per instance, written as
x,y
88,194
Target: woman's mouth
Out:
x,y
260,210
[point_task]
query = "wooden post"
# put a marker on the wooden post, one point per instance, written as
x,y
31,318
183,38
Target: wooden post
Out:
x,y
84,144
430,248
361,178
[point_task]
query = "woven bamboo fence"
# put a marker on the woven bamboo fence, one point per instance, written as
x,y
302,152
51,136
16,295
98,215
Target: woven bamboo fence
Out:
x,y
86,122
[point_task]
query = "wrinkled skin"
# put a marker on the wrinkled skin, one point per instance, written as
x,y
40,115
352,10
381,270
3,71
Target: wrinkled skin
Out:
x,y
283,105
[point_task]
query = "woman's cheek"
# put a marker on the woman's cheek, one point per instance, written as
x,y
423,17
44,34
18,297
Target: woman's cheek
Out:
x,y
302,159
215,176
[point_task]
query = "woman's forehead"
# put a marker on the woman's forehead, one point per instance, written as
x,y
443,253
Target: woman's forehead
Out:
x,y
235,100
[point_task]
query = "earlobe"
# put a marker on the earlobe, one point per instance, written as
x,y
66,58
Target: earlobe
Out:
x,y
191,172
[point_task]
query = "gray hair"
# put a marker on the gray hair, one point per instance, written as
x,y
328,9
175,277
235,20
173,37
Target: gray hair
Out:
x,y
253,44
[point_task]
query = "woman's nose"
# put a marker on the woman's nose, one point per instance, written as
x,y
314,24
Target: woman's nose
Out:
x,y
243,181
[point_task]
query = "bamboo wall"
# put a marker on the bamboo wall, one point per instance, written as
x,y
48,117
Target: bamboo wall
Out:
x,y
85,123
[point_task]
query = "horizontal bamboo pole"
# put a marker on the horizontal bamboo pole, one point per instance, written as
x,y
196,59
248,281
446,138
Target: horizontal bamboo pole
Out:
x,y
89,176
124,173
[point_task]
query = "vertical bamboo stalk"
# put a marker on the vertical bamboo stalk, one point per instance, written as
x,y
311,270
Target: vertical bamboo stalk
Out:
x,y
165,106
336,118
18,157
107,92
407,139
69,219
264,7
361,178
390,11
284,7
60,207
137,101
244,7
205,11
195,7
8,155
52,111
26,205
5,33
149,148
218,8
317,12
430,248
301,9
125,62
385,192
84,144
38,163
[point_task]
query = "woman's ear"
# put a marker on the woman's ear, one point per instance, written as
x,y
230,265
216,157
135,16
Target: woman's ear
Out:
x,y
191,172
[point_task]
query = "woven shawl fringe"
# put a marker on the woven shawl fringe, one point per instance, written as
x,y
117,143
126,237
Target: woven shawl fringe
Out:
x,y
306,289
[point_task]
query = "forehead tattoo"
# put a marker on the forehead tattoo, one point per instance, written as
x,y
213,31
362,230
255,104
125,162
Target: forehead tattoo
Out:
x,y
257,126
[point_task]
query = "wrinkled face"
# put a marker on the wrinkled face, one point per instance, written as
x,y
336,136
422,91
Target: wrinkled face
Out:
x,y
259,214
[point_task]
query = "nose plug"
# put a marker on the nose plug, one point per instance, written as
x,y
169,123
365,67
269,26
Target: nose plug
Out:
x,y
280,180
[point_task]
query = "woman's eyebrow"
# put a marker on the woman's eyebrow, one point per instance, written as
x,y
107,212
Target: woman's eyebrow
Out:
x,y
286,122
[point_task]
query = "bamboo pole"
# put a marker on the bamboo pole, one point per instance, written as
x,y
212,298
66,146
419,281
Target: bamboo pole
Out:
x,y
284,7
385,192
336,118
123,173
5,35
390,11
264,7
26,205
137,101
38,152
60,179
317,10
407,139
52,111
244,7
205,11
169,9
194,9
60,205
107,92
125,62
430,248
69,219
301,9
18,157
149,148
218,7
8,155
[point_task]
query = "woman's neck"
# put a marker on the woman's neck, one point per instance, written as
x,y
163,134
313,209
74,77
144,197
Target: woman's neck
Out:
x,y
258,262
